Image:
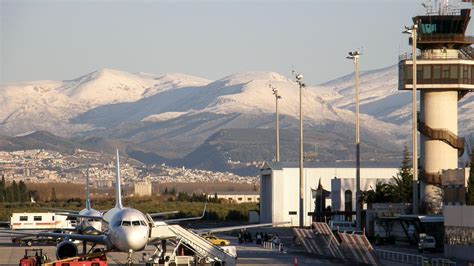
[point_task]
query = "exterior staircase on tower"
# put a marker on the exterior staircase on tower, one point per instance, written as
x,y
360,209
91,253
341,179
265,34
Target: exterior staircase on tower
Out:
x,y
215,254
467,52
442,134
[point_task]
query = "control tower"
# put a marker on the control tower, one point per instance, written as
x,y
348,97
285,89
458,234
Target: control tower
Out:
x,y
445,74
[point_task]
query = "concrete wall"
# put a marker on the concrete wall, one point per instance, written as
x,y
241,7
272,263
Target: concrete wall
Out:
x,y
459,232
462,216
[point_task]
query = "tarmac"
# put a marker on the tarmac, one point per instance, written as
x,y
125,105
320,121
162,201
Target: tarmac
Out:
x,y
248,254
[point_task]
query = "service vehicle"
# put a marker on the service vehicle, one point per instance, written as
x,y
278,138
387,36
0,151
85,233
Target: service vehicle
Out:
x,y
40,221
426,243
30,240
33,257
216,241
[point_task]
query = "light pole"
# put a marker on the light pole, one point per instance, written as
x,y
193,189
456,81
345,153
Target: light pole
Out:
x,y
299,80
277,123
412,30
354,56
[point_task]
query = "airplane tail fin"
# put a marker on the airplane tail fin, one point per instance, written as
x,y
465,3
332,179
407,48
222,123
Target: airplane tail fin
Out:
x,y
118,189
88,194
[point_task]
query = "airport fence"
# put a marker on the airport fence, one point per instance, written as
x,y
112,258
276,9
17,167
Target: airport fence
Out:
x,y
411,259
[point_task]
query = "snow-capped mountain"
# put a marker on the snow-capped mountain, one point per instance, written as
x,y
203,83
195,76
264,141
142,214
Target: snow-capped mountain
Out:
x,y
381,98
175,113
49,105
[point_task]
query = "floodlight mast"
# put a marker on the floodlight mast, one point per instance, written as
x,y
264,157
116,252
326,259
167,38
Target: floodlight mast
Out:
x,y
277,123
354,56
412,30
301,84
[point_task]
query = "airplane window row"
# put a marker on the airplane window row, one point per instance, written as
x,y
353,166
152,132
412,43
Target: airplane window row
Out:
x,y
130,223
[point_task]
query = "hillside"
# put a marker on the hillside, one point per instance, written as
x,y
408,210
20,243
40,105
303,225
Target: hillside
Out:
x,y
192,121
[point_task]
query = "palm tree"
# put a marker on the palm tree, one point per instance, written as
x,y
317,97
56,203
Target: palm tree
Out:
x,y
382,193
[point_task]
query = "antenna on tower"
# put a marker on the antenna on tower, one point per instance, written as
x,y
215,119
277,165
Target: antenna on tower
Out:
x,y
428,5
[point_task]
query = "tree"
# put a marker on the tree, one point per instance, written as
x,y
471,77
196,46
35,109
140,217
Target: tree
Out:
x,y
23,192
470,183
382,193
15,192
53,195
402,186
8,194
2,189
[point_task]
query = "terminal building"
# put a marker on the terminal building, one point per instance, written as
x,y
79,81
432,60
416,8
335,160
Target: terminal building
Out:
x,y
279,188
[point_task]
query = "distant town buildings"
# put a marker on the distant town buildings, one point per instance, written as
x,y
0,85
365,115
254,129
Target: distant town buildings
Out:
x,y
237,196
142,188
43,166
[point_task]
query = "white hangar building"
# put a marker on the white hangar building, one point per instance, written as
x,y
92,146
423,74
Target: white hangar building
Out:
x,y
279,187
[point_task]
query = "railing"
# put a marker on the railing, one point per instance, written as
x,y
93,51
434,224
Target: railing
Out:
x,y
464,53
401,257
412,259
435,38
272,246
442,262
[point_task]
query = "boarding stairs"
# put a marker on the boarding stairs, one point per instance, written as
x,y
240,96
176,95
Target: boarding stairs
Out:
x,y
215,254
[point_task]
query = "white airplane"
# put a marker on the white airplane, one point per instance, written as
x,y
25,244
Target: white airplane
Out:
x,y
129,230
90,225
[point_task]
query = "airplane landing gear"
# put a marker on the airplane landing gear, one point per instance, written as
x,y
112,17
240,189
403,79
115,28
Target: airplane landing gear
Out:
x,y
129,257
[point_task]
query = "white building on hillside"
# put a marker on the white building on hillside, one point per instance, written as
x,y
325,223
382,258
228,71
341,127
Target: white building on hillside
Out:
x,y
279,187
142,188
237,196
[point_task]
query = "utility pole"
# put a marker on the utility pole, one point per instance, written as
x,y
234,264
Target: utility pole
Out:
x,y
354,56
299,80
277,123
412,30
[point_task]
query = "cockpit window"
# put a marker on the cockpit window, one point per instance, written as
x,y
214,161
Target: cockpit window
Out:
x,y
125,223
135,223
118,223
143,223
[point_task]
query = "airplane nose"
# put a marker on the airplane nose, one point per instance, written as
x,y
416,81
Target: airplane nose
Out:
x,y
136,241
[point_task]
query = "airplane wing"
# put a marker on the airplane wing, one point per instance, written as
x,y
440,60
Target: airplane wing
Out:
x,y
158,214
61,210
178,220
99,239
73,215
231,228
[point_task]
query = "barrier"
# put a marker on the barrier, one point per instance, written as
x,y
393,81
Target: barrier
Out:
x,y
358,247
412,258
442,262
272,246
401,257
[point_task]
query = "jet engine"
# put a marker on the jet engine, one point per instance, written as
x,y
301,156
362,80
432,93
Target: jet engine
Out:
x,y
66,249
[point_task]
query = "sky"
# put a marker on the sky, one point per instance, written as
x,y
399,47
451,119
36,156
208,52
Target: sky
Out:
x,y
62,40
